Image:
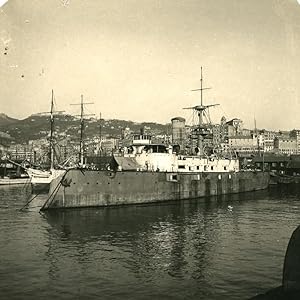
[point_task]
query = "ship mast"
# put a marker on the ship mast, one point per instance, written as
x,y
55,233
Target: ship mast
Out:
x,y
257,136
51,139
100,134
81,144
203,114
82,126
51,132
202,109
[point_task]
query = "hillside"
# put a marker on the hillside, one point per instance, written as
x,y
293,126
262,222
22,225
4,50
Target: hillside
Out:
x,y
37,126
5,120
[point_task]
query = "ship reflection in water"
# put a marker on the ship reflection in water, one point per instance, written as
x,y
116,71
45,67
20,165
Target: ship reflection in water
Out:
x,y
230,247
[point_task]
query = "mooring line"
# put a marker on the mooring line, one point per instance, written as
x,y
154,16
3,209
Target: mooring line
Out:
x,y
52,194
29,201
26,184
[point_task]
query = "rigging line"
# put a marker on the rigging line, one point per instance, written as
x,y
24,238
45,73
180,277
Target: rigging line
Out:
x,y
21,209
54,191
52,194
189,119
26,184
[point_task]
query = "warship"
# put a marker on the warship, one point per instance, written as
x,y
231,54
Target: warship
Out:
x,y
147,172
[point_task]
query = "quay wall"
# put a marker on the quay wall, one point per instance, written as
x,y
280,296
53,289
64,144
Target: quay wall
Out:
x,y
102,188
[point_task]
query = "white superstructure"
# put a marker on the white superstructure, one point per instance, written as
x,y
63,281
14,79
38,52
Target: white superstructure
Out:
x,y
157,157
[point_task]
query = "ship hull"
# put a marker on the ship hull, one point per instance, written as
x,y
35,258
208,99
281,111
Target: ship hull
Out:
x,y
77,188
13,181
40,188
40,179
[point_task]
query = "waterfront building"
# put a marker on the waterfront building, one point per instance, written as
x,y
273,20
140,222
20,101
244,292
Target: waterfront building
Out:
x,y
246,131
245,144
285,145
109,144
20,152
269,137
272,162
295,133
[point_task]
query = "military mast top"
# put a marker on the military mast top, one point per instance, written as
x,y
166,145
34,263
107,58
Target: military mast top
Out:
x,y
202,110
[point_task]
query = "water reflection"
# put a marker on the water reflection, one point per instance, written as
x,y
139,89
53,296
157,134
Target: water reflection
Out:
x,y
179,239
145,238
284,190
86,224
196,249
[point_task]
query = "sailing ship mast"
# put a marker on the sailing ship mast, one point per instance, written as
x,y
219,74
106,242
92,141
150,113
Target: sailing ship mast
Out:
x,y
100,135
81,144
51,132
82,126
51,139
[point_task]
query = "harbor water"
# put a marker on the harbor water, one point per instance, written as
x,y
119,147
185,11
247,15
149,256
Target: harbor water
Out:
x,y
230,247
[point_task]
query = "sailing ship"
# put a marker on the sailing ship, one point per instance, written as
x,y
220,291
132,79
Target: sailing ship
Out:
x,y
146,172
40,179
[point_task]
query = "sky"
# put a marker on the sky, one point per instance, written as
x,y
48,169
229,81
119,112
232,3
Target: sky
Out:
x,y
139,59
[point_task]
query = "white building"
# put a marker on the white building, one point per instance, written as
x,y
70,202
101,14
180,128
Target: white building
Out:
x,y
285,145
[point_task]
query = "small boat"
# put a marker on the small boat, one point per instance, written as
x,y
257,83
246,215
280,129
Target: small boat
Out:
x,y
282,178
14,181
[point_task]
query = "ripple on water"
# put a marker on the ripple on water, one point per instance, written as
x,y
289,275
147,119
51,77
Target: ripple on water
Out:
x,y
197,249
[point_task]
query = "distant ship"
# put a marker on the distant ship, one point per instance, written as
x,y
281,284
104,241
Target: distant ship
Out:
x,y
147,173
13,181
40,179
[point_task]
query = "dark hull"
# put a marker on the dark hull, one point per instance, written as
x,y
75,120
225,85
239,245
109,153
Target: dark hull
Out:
x,y
40,188
284,179
102,188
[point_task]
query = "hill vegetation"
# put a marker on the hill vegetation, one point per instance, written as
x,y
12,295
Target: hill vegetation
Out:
x,y
37,126
4,119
